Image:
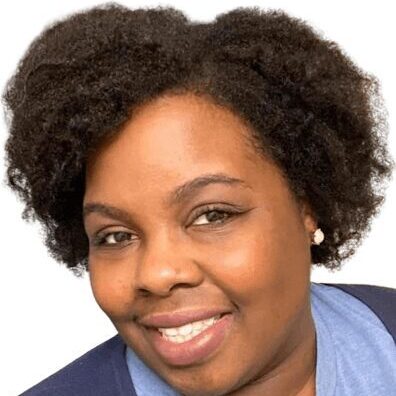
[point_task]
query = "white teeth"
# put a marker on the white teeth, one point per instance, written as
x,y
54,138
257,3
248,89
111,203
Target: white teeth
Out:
x,y
187,331
178,339
170,331
210,320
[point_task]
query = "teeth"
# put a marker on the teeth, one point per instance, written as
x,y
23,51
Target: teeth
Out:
x,y
209,320
187,331
169,332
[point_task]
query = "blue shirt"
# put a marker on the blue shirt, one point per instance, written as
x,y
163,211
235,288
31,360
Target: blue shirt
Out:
x,y
356,355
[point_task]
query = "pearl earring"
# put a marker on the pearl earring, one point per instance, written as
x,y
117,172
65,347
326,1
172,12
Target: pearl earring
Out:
x,y
318,237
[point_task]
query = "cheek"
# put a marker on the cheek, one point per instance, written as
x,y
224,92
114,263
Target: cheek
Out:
x,y
111,291
263,259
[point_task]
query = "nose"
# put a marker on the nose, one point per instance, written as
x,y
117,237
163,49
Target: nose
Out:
x,y
166,262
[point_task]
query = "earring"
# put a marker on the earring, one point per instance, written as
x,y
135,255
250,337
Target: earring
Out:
x,y
318,237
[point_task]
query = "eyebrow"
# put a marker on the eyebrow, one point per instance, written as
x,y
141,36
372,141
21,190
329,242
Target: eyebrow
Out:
x,y
179,194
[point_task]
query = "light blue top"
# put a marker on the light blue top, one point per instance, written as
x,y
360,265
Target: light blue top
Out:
x,y
356,355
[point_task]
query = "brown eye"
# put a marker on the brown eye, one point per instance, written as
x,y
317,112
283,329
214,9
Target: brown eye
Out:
x,y
111,238
214,216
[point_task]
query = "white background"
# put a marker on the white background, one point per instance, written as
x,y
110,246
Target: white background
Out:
x,y
49,317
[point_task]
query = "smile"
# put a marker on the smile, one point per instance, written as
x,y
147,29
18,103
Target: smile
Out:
x,y
188,331
185,349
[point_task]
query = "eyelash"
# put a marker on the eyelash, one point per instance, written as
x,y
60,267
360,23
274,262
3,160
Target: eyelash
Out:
x,y
99,240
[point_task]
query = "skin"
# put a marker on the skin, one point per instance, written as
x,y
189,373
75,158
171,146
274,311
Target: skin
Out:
x,y
256,263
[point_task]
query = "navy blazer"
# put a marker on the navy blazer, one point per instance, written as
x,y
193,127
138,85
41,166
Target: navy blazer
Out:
x,y
103,370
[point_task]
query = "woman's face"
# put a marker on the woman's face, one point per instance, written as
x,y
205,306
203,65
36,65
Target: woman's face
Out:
x,y
168,255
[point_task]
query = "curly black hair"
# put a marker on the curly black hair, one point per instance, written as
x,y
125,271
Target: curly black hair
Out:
x,y
316,114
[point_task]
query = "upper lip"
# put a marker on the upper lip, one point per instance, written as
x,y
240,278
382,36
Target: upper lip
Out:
x,y
180,318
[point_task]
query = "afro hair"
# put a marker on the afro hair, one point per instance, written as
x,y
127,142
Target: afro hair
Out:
x,y
310,108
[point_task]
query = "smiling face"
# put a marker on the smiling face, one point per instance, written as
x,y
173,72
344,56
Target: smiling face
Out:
x,y
241,246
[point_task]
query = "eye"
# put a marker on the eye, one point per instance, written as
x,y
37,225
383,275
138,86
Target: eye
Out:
x,y
214,215
112,238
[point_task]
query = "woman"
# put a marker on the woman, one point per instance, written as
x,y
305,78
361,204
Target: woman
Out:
x,y
196,171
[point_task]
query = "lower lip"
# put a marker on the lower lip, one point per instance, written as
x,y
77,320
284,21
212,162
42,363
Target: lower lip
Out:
x,y
194,350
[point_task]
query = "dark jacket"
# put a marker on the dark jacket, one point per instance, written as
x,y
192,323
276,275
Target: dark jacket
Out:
x,y
103,370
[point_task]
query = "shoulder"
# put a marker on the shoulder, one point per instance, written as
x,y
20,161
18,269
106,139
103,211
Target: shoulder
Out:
x,y
363,290
356,334
375,303
100,371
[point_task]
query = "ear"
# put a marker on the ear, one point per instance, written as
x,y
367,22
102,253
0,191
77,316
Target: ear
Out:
x,y
309,219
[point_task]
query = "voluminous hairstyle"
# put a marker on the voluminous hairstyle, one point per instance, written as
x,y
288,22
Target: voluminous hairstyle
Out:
x,y
316,114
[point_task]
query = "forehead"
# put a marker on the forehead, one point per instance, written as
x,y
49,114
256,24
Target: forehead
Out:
x,y
169,141
184,127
